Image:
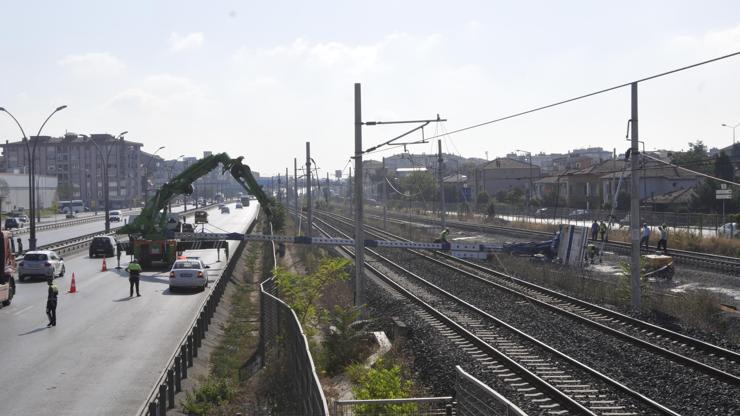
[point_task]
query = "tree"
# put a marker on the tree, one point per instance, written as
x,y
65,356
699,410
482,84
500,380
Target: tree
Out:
x,y
723,168
696,158
421,185
483,198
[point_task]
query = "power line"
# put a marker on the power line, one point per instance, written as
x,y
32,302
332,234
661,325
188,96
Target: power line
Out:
x,y
580,97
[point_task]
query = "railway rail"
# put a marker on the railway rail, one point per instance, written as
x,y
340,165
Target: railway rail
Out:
x,y
715,361
543,379
724,264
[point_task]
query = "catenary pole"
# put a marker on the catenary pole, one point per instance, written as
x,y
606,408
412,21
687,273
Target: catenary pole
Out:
x,y
440,167
359,235
309,225
385,197
635,205
295,189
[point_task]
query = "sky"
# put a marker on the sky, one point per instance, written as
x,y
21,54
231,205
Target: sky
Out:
x,y
259,79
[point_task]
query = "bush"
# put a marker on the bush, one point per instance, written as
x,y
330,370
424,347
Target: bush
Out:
x,y
483,198
381,382
344,343
212,393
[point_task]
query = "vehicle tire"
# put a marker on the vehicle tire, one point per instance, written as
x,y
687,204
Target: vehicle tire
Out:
x,y
92,256
172,289
64,270
21,278
10,294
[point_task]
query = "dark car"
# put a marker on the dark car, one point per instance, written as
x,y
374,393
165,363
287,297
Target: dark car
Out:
x,y
11,223
103,246
187,227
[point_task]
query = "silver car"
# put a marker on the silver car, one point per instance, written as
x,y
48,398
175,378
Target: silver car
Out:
x,y
189,273
44,263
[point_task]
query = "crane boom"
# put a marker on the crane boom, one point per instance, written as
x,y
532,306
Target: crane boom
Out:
x,y
152,222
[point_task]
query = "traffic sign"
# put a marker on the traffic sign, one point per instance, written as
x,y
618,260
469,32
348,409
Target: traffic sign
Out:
x,y
723,194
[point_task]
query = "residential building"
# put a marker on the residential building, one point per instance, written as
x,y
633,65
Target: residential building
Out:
x,y
505,174
78,165
654,178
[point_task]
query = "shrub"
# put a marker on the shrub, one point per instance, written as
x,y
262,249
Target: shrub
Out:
x,y
344,343
213,392
381,382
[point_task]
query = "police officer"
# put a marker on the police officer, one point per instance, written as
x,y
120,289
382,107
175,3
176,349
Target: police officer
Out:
x,y
134,270
51,303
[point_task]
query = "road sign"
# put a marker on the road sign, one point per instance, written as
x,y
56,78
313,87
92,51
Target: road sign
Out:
x,y
723,194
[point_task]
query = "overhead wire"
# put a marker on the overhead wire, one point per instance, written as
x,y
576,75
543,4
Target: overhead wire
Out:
x,y
591,94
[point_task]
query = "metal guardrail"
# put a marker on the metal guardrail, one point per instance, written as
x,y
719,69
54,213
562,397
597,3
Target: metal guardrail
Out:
x,y
412,406
162,396
282,337
474,398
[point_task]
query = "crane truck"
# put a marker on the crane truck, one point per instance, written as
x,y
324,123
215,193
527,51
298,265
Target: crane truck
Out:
x,y
151,235
7,277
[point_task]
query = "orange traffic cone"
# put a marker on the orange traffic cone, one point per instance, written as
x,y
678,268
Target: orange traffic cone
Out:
x,y
105,267
73,286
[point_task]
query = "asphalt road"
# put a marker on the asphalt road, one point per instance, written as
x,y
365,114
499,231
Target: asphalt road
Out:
x,y
107,349
71,231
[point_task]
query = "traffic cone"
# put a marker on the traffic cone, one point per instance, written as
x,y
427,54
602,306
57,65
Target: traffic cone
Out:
x,y
105,267
73,286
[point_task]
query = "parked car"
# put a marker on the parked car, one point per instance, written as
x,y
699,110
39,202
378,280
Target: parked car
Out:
x,y
189,273
729,230
44,263
187,227
22,218
225,210
238,206
543,212
11,223
103,246
580,214
115,216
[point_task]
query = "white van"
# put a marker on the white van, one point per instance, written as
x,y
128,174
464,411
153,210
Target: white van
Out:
x,y
115,216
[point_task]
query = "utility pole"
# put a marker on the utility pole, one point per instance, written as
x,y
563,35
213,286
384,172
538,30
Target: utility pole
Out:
x,y
359,234
308,188
295,189
635,206
385,197
440,167
349,193
287,189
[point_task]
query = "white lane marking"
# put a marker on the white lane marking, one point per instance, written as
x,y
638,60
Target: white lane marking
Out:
x,y
20,311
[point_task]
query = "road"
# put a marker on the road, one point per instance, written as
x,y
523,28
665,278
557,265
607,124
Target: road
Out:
x,y
64,233
107,349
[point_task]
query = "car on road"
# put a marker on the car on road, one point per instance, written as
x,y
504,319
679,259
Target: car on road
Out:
x,y
43,263
225,210
580,214
11,223
189,273
238,206
729,230
115,216
187,227
543,212
22,218
70,215
103,245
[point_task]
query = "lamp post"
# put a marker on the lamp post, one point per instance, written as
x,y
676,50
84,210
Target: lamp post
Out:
x,y
146,174
32,172
733,130
106,185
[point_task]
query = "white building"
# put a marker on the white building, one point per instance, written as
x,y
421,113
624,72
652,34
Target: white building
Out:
x,y
14,191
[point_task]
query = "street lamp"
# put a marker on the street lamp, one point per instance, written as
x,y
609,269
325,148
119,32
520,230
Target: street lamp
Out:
x,y
733,130
32,172
146,174
106,184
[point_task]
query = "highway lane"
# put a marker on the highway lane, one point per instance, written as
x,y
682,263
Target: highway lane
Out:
x,y
107,350
64,233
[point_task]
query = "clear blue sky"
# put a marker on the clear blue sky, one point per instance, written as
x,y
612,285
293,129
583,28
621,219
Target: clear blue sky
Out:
x,y
258,79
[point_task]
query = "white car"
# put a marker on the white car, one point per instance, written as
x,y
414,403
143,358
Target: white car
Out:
x,y
44,263
189,273
729,229
115,216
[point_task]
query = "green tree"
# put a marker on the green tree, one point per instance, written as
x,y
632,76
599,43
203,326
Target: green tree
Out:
x,y
483,198
421,185
346,338
696,158
723,168
302,292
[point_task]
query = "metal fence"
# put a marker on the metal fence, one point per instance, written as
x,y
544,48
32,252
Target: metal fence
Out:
x,y
477,399
162,396
415,406
282,339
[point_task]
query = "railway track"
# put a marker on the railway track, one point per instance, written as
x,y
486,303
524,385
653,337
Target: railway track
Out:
x,y
544,380
720,363
724,264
